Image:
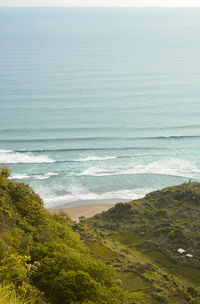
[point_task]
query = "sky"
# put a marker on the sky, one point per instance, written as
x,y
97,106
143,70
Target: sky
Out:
x,y
118,3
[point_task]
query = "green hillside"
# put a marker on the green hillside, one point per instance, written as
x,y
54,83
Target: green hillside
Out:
x,y
148,232
42,260
127,255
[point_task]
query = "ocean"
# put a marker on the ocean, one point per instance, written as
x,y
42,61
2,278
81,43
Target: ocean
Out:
x,y
99,104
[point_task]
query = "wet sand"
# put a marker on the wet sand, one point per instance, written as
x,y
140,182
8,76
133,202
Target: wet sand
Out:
x,y
84,210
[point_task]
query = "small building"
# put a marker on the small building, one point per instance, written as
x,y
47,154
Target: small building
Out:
x,y
181,250
188,255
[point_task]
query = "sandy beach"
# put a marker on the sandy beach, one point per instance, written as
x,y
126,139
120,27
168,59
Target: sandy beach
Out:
x,y
84,210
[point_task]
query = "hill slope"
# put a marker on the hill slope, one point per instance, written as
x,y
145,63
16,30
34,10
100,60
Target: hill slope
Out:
x,y
125,255
168,219
42,260
150,231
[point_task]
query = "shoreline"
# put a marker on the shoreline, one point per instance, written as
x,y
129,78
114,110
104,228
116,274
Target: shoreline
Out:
x,y
83,210
83,202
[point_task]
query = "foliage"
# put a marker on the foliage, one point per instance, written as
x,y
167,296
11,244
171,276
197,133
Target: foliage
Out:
x,y
147,232
169,219
43,259
8,296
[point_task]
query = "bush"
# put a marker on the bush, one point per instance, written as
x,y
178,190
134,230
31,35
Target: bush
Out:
x,y
41,255
8,296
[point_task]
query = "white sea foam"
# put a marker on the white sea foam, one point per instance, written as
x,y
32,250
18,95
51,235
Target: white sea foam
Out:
x,y
45,176
95,171
172,166
25,176
51,173
19,176
124,194
11,157
95,158
6,151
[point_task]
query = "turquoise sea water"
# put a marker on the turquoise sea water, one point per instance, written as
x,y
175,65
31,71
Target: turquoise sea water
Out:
x,y
99,103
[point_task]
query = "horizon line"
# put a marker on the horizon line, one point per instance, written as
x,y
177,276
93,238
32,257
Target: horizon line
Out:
x,y
98,6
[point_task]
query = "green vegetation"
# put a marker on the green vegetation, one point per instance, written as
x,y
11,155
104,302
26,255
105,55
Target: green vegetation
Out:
x,y
125,255
43,259
147,234
8,296
167,220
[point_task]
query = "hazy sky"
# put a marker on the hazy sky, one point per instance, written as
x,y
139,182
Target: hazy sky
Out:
x,y
140,3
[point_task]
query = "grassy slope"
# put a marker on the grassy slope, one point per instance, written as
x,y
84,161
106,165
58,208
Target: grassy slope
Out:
x,y
145,234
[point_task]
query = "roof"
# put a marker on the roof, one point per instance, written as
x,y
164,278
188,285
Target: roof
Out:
x,y
181,250
188,255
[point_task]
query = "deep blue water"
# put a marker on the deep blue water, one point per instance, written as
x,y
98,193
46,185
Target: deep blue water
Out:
x,y
99,103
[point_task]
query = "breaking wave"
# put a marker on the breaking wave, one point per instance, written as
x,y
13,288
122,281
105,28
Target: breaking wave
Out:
x,y
20,176
45,176
173,166
12,157
36,176
124,194
95,158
